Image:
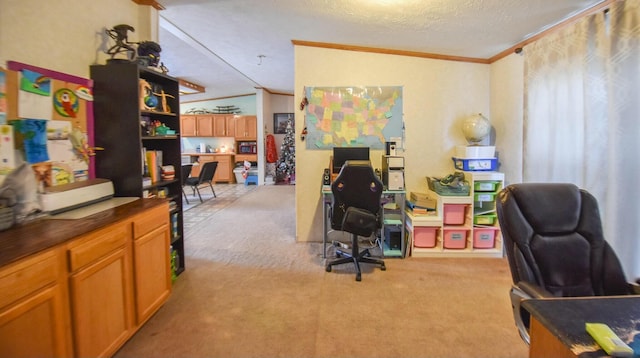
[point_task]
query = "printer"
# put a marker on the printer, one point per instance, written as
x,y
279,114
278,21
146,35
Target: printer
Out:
x,y
393,172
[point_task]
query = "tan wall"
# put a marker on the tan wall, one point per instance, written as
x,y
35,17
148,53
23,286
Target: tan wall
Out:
x,y
68,35
438,96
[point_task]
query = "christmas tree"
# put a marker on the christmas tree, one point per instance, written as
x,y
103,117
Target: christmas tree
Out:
x,y
286,167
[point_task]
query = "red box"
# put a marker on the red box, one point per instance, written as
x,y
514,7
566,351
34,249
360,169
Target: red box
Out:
x,y
484,237
424,236
455,238
454,214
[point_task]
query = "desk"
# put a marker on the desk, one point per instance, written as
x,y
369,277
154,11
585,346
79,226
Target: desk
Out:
x,y
558,324
397,219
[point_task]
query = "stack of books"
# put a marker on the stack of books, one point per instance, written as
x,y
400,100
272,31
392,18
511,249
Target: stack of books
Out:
x,y
421,204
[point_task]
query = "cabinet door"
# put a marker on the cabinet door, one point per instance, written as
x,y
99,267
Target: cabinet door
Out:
x,y
188,126
205,126
219,126
224,167
102,305
152,271
230,123
34,320
246,127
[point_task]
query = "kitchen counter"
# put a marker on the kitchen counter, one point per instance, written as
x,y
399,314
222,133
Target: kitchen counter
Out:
x,y
26,239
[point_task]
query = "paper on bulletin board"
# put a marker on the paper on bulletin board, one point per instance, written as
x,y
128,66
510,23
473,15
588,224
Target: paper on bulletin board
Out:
x,y
7,151
34,96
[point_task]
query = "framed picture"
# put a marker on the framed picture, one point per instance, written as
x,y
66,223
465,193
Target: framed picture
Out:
x,y
280,121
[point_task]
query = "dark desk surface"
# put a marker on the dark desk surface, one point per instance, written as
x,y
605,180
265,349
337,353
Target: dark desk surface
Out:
x,y
565,318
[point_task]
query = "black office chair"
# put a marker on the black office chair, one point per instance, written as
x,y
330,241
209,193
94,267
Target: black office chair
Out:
x,y
207,172
185,172
356,210
555,246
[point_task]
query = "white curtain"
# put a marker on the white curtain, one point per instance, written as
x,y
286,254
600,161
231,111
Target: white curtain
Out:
x,y
582,118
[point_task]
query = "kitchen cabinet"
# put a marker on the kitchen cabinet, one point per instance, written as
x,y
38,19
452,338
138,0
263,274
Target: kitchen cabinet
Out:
x,y
152,269
83,287
101,291
223,125
34,307
196,125
117,113
246,127
224,172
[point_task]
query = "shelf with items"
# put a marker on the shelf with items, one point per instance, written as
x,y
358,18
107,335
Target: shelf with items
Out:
x,y
464,226
393,220
136,111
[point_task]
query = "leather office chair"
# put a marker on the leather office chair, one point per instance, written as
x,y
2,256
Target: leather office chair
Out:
x,y
205,177
356,210
185,172
555,246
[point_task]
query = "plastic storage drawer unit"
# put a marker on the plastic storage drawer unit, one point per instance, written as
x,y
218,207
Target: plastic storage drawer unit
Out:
x,y
455,238
454,214
484,237
425,236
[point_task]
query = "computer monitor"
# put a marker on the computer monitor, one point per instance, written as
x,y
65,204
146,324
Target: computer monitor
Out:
x,y
342,154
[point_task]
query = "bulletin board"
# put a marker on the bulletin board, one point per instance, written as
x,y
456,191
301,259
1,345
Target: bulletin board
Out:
x,y
48,117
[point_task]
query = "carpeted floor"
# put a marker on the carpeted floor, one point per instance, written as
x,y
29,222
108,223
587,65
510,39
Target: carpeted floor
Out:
x,y
249,290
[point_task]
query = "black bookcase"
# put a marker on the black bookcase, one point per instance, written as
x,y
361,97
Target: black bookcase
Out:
x,y
118,117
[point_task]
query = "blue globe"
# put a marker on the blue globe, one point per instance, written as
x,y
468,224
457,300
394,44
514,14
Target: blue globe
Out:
x,y
151,101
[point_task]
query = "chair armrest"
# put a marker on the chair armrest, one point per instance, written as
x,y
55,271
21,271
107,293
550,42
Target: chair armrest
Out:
x,y
534,291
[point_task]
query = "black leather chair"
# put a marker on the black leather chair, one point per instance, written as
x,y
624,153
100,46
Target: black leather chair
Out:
x,y
356,209
207,172
555,246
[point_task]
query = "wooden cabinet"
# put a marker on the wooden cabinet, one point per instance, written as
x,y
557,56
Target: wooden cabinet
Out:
x,y
117,115
223,125
188,126
34,308
101,291
152,269
246,127
224,172
196,125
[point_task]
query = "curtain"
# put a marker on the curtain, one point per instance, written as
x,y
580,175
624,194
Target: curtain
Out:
x,y
582,118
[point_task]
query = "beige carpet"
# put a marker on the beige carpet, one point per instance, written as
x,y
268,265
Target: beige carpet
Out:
x,y
250,291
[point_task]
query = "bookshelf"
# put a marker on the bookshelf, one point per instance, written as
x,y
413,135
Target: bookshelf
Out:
x,y
122,128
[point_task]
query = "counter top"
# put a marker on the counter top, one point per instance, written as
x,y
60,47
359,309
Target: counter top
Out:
x,y
565,318
202,154
40,234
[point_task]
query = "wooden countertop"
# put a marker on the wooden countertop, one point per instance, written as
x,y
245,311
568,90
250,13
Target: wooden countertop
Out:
x,y
203,154
34,236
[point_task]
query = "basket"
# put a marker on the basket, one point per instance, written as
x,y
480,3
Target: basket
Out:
x,y
445,190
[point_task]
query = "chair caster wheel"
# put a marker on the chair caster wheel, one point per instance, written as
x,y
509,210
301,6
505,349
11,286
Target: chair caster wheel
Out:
x,y
328,268
358,277
383,268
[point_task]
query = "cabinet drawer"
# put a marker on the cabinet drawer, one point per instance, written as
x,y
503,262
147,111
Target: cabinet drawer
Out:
x,y
151,220
27,276
98,244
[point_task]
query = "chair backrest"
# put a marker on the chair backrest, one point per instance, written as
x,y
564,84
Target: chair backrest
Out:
x,y
553,238
207,172
185,172
355,186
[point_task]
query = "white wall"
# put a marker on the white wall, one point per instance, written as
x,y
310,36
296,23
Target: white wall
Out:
x,y
68,35
438,96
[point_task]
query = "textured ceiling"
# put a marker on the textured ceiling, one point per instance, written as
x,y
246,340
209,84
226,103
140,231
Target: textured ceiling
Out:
x,y
217,43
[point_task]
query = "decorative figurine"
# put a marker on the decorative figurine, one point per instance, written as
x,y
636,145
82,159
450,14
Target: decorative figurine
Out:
x,y
120,34
149,54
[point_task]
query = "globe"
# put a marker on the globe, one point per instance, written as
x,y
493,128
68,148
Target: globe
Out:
x,y
476,128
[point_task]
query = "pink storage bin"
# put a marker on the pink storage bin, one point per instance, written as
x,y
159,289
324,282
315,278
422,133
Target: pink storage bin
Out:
x,y
484,237
455,238
454,214
424,236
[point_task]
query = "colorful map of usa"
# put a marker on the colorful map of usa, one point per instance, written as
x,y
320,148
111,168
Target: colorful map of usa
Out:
x,y
353,116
